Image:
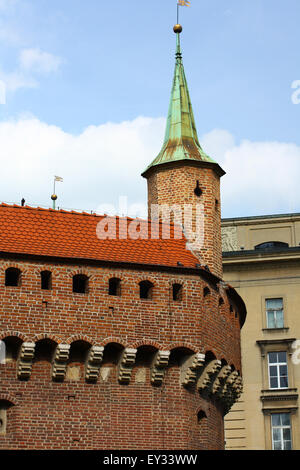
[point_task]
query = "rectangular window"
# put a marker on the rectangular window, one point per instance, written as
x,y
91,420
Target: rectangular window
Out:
x,y
281,431
278,371
274,311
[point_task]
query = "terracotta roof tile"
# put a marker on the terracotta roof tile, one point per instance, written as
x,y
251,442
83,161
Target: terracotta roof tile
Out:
x,y
59,233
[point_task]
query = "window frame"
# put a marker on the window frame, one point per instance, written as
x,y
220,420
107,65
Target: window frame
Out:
x,y
274,295
276,327
278,365
281,428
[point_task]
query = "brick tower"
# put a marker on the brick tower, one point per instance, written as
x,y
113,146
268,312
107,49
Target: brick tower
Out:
x,y
183,175
121,342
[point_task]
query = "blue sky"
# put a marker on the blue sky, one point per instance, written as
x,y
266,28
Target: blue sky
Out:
x,y
69,65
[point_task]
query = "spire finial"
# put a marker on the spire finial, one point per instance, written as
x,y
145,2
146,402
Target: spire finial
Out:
x,y
177,28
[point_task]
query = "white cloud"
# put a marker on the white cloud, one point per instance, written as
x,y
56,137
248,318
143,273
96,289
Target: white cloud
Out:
x,y
32,64
261,177
105,162
98,165
16,80
37,61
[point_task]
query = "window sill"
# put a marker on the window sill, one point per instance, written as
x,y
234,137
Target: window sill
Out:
x,y
277,330
279,394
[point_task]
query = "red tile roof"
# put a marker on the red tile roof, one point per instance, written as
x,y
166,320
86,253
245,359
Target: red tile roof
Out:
x,y
59,233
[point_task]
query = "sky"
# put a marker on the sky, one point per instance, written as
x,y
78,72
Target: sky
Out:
x,y
85,87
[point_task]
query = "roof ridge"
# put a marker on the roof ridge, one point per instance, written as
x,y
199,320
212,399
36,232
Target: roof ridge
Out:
x,y
84,213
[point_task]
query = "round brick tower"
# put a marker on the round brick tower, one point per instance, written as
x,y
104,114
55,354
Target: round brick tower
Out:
x,y
123,342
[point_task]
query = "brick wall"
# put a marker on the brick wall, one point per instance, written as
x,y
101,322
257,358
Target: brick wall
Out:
x,y
175,185
74,413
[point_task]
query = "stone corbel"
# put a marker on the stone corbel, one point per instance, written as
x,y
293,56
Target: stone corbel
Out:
x,y
189,369
126,364
237,387
221,379
59,366
207,375
159,365
25,360
231,392
93,363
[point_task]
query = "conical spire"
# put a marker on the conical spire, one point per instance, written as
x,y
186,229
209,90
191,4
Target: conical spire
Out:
x,y
181,139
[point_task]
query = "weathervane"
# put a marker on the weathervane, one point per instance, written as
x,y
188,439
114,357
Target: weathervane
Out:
x,y
182,3
54,196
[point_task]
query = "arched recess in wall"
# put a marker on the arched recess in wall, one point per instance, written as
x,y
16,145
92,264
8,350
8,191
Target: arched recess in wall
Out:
x,y
44,351
77,358
179,355
12,348
112,353
209,356
145,355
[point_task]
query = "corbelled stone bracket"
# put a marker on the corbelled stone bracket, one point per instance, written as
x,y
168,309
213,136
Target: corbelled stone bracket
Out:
x,y
221,379
60,361
231,390
93,363
226,390
126,363
206,378
190,368
25,360
159,365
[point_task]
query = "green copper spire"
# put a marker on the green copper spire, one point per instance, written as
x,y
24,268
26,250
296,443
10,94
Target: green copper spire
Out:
x,y
181,139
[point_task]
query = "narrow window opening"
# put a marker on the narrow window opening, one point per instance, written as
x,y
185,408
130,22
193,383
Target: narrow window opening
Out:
x,y
146,290
200,416
177,292
221,301
206,291
80,284
114,287
46,280
12,277
198,190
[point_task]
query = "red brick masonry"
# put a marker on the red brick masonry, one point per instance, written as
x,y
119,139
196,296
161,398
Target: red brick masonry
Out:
x,y
100,371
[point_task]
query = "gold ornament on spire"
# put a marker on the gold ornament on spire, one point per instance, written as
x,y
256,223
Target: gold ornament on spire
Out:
x,y
177,28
